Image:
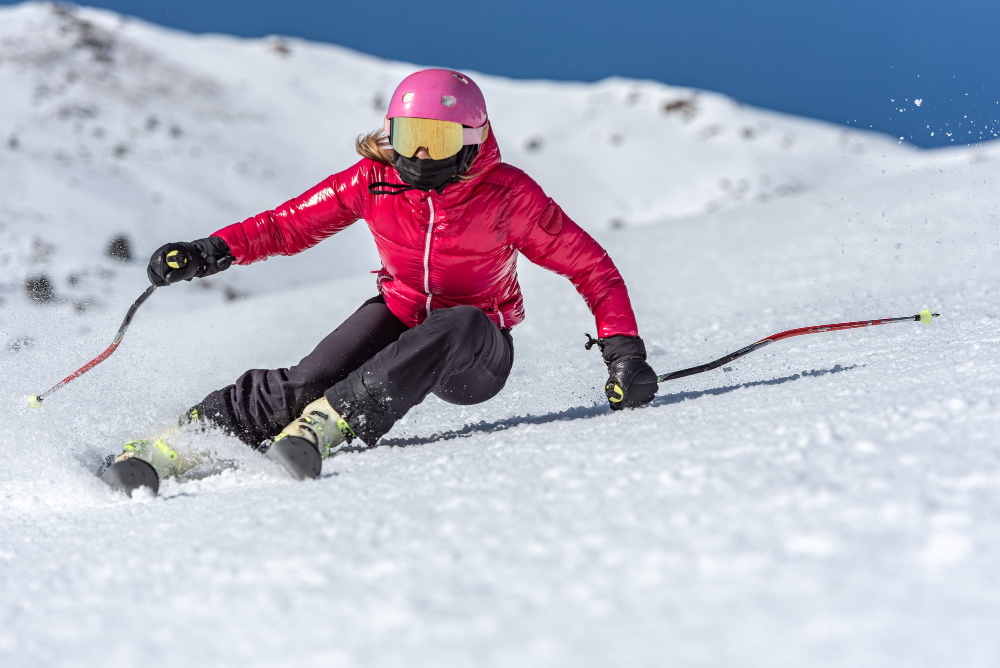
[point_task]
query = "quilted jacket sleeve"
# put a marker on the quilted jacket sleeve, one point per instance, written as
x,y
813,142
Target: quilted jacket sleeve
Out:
x,y
304,221
540,230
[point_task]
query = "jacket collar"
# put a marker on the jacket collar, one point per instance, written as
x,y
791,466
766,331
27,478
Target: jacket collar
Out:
x,y
454,193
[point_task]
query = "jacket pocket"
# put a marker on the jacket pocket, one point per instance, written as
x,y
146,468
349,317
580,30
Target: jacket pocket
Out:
x,y
381,276
493,306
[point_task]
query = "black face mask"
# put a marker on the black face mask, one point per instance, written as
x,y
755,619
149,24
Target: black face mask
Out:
x,y
425,174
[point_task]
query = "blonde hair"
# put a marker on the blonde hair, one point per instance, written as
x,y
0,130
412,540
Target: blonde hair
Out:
x,y
375,146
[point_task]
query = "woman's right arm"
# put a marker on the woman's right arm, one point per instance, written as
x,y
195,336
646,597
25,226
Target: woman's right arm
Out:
x,y
304,221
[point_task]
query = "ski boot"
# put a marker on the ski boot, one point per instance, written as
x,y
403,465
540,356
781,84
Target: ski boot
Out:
x,y
302,446
143,463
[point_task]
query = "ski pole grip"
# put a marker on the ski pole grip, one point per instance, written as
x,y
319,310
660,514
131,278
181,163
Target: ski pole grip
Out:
x,y
176,259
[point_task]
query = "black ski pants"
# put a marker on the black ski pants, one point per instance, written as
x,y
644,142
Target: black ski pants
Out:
x,y
372,369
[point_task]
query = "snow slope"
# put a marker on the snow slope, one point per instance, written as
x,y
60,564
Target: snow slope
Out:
x,y
828,501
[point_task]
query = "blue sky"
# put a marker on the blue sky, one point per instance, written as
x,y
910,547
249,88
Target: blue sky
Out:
x,y
847,62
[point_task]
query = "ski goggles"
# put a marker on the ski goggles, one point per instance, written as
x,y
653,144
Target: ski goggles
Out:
x,y
442,139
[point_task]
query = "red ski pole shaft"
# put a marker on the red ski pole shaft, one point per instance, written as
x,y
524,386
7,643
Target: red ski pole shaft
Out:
x,y
35,401
175,260
925,316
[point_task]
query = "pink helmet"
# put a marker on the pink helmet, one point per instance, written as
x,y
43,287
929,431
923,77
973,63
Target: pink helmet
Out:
x,y
441,95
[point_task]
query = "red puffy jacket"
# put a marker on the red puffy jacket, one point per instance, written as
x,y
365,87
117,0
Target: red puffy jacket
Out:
x,y
458,247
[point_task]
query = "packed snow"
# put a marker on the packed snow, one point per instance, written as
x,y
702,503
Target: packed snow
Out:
x,y
831,500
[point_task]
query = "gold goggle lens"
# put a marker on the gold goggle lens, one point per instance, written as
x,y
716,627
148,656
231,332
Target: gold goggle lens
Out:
x,y
442,139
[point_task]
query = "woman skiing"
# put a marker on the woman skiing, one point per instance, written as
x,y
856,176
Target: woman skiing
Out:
x,y
449,219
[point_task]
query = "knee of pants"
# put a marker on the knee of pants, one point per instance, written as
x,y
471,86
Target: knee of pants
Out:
x,y
473,386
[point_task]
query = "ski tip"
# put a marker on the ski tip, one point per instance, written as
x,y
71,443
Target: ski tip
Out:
x,y
130,474
34,401
926,316
299,457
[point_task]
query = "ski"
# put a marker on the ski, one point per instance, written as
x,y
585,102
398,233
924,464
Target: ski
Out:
x,y
925,316
129,475
299,457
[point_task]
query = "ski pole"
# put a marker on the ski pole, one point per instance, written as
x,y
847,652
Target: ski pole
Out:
x,y
35,401
925,316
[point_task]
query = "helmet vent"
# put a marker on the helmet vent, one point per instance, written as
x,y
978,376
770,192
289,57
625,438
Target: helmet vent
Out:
x,y
407,97
460,77
448,100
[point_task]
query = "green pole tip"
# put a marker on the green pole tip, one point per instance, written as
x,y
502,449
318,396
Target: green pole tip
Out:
x,y
34,401
926,316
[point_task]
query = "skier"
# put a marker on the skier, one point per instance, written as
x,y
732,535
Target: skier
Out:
x,y
449,219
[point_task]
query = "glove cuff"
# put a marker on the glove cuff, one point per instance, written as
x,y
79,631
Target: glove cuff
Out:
x,y
216,255
620,346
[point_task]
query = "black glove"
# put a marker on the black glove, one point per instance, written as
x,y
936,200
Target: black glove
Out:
x,y
631,382
183,261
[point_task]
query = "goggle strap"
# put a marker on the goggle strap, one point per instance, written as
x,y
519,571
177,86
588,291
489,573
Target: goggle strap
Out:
x,y
474,135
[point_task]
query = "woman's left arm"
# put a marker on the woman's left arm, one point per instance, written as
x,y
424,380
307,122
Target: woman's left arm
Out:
x,y
540,230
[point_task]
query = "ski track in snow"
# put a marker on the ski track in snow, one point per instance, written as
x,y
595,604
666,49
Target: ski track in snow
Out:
x,y
830,500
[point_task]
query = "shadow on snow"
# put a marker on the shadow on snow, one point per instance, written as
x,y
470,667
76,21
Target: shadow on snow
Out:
x,y
578,412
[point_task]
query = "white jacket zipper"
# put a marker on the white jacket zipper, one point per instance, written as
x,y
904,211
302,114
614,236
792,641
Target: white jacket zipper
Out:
x,y
427,257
